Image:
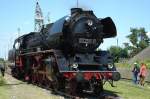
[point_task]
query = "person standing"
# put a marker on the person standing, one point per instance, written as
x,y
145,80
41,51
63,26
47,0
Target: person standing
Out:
x,y
135,72
142,74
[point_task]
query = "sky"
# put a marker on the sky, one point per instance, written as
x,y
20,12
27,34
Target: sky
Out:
x,y
16,14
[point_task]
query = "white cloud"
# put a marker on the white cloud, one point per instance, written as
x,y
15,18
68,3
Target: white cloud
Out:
x,y
148,34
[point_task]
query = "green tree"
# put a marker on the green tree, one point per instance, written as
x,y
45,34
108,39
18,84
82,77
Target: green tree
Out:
x,y
118,52
114,50
138,39
1,60
133,37
124,53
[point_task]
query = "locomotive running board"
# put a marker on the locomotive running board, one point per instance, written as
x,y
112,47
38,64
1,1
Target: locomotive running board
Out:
x,y
88,71
38,52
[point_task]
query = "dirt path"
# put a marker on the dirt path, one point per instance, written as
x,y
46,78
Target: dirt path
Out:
x,y
21,90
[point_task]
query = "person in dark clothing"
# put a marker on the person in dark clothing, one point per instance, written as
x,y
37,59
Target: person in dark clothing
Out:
x,y
135,72
2,69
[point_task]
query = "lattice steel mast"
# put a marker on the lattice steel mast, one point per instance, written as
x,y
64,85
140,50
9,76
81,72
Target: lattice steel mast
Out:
x,y
39,20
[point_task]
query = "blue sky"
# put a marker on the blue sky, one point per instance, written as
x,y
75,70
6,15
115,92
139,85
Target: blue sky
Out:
x,y
20,14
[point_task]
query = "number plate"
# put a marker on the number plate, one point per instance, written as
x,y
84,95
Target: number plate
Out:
x,y
87,41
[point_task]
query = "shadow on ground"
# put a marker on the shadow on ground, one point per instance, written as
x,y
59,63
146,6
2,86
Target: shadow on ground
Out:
x,y
107,94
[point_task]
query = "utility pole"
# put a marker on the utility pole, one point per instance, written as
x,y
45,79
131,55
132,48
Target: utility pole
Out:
x,y
18,32
48,18
77,3
117,42
39,20
5,52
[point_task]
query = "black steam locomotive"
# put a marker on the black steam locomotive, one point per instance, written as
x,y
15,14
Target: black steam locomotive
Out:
x,y
64,53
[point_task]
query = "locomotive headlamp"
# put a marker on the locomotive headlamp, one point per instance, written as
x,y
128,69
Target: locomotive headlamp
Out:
x,y
110,66
17,45
67,18
75,66
89,22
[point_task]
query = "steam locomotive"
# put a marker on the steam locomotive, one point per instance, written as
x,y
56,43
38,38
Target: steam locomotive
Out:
x,y
63,54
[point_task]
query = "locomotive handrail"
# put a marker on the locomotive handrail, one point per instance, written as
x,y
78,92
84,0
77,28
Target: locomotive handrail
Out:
x,y
38,52
88,71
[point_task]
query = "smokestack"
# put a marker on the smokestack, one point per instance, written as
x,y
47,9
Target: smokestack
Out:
x,y
75,10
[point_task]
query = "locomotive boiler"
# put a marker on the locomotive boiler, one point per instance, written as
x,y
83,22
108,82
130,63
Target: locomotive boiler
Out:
x,y
81,32
64,53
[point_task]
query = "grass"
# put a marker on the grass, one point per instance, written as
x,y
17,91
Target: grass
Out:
x,y
4,90
22,90
127,90
123,65
2,81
